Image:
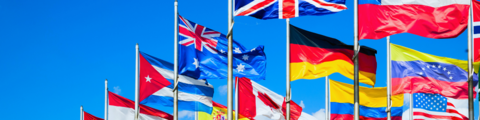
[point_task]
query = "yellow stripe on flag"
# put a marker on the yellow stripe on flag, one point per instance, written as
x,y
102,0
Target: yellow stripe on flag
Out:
x,y
306,70
369,97
400,53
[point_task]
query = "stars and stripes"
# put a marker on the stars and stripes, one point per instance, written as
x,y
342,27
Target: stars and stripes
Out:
x,y
434,106
282,9
197,35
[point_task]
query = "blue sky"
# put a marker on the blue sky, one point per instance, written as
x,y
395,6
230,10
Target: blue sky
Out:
x,y
56,54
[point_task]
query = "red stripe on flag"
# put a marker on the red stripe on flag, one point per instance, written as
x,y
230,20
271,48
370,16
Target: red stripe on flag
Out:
x,y
436,116
247,104
288,10
256,7
341,7
457,90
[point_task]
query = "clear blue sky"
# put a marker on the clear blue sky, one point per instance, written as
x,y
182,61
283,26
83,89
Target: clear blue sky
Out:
x,y
56,54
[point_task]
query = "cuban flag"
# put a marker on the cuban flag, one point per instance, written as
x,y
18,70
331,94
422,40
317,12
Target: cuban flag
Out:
x,y
156,86
282,9
427,18
203,54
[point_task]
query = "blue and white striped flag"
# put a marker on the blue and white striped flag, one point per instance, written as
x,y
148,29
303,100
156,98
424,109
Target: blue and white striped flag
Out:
x,y
156,86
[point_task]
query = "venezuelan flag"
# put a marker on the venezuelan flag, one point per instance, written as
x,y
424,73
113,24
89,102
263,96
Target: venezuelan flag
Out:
x,y
314,56
373,102
417,72
219,113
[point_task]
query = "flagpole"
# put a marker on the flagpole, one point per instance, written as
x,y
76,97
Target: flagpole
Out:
x,y
236,98
288,98
106,100
230,58
470,66
81,112
175,64
355,61
389,82
137,85
327,96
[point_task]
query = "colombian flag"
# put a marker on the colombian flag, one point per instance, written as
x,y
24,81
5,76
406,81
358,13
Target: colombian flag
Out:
x,y
314,56
219,113
373,102
417,72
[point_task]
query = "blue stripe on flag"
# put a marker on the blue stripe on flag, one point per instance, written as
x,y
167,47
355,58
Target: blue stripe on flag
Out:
x,y
193,89
370,112
446,72
182,105
476,29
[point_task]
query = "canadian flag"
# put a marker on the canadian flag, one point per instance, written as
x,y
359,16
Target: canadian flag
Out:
x,y
257,101
120,108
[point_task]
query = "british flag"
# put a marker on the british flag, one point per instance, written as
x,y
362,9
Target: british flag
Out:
x,y
197,36
282,9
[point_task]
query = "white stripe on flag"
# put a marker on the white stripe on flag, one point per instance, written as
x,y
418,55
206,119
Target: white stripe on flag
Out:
x,y
181,78
182,96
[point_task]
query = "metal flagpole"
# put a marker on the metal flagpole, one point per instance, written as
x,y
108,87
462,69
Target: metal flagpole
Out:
x,y
355,61
137,85
411,106
470,66
327,96
81,112
230,58
236,98
106,100
175,64
288,98
389,78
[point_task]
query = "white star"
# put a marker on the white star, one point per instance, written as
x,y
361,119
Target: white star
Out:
x,y
252,50
222,51
148,79
195,62
433,66
428,66
423,68
439,66
237,50
444,68
420,73
240,67
451,77
448,72
245,57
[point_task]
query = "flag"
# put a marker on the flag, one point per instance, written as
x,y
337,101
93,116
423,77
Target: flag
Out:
x,y
156,86
203,54
417,72
88,116
476,30
314,56
257,101
219,113
434,107
282,9
373,102
427,18
120,108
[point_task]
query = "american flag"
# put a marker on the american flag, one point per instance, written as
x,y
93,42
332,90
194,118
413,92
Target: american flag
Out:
x,y
434,107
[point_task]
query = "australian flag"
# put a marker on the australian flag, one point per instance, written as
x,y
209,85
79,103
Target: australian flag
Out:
x,y
203,54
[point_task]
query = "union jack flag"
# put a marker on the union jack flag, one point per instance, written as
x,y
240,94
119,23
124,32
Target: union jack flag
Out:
x,y
198,36
282,9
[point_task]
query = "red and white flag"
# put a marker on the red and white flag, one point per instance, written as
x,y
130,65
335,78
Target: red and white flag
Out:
x,y
120,108
88,116
257,101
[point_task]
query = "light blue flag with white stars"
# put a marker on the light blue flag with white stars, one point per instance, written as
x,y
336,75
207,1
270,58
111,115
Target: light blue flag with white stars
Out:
x,y
203,54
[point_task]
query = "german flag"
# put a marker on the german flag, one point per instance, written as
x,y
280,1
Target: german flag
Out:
x,y
314,56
